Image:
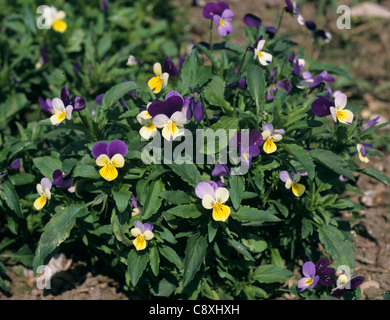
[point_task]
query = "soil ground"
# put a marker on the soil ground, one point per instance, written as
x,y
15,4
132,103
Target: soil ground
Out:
x,y
364,49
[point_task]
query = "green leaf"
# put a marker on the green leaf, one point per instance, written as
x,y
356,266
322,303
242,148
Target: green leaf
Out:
x,y
154,260
117,92
10,196
246,213
269,274
185,211
256,83
332,161
20,179
240,248
236,190
303,157
331,68
255,243
187,172
136,264
153,201
104,45
55,232
164,288
307,228
122,198
171,256
376,174
120,227
86,171
47,165
194,254
176,196
337,245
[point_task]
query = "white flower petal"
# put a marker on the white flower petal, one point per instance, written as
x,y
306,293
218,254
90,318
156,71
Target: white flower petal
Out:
x,y
157,69
179,118
160,120
208,201
222,195
58,105
340,101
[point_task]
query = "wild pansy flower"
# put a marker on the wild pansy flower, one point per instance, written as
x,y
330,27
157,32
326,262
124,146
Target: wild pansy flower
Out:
x,y
373,122
325,273
145,119
55,19
291,7
221,170
212,8
109,156
321,106
43,190
310,82
345,284
318,34
60,112
310,278
142,232
222,22
264,57
247,145
284,84
168,70
131,61
60,181
192,106
291,181
168,115
361,148
255,22
136,207
214,197
270,136
338,112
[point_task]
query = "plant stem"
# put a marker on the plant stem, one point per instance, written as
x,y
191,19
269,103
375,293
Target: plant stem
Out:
x,y
279,23
211,36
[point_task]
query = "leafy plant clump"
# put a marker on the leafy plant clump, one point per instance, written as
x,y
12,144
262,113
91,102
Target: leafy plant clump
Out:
x,y
208,175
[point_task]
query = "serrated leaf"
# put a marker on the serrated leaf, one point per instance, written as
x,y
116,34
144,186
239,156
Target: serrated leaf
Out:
x,y
176,197
153,201
47,165
187,172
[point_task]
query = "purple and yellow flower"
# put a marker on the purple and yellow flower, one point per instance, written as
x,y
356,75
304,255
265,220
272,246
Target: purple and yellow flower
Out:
x,y
338,112
214,197
168,115
136,207
264,57
60,181
362,152
145,119
60,112
109,156
291,7
270,136
168,70
55,19
142,233
247,145
310,278
212,8
222,22
345,284
43,190
291,182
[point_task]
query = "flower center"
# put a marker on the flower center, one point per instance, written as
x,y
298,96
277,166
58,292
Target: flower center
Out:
x,y
260,54
245,156
221,22
309,281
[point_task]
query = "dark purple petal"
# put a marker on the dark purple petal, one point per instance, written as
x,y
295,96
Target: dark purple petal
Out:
x,y
115,147
209,10
148,226
290,6
255,138
197,110
44,53
77,102
60,182
363,150
169,67
317,81
310,25
271,31
252,21
221,184
134,201
321,107
156,107
356,281
65,96
15,164
368,145
297,69
254,151
99,99
76,68
326,276
273,72
338,293
242,83
104,6
46,105
99,148
257,42
220,169
285,85
172,105
322,264
371,123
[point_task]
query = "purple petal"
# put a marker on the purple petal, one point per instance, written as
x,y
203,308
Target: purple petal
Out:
x,y
115,147
284,176
310,25
356,281
203,188
363,150
315,281
148,226
220,169
317,81
255,138
60,182
268,126
368,145
46,183
172,104
172,94
326,276
197,109
99,148
242,83
227,15
222,6
321,107
46,105
270,94
65,96
209,10
169,67
77,102
15,164
290,6
279,131
254,151
156,107
252,21
271,31
322,264
134,201
139,225
213,184
285,85
297,69
338,293
302,284
309,269
99,99
371,123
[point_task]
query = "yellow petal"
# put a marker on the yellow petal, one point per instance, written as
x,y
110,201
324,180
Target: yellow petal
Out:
x,y
102,160
118,161
344,116
40,203
155,84
269,146
148,131
221,212
298,189
109,172
60,26
57,118
170,131
139,243
363,158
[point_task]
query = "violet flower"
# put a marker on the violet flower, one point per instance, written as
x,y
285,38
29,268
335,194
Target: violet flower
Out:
x,y
291,7
252,21
284,84
193,105
362,152
212,8
345,284
247,145
321,106
60,182
326,274
310,82
318,34
222,22
310,278
15,165
136,207
373,122
221,170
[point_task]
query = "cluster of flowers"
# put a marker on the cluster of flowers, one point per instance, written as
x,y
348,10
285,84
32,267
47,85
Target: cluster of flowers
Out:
x,y
323,274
